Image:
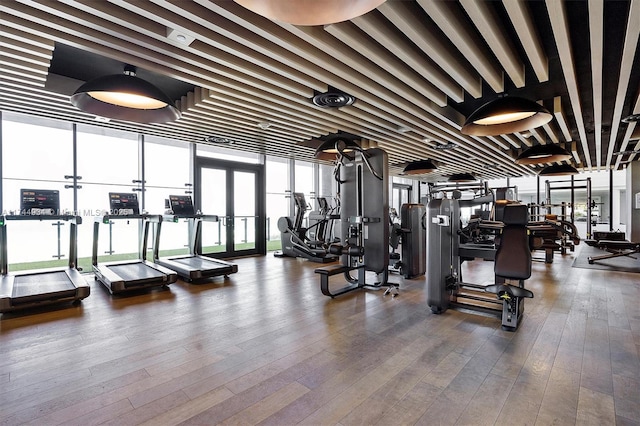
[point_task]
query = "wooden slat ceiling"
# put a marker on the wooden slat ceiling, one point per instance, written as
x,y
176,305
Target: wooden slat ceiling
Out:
x,y
416,68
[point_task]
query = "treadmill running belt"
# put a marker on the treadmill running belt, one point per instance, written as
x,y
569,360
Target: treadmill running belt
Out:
x,y
199,263
41,284
136,271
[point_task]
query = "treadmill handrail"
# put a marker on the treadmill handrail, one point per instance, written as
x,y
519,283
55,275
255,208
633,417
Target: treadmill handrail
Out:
x,y
73,220
204,217
66,217
153,218
195,232
143,235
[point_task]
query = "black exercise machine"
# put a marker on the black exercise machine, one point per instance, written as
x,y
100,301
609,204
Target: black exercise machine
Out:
x,y
364,213
295,239
615,243
122,276
195,266
321,222
33,288
410,235
553,235
445,253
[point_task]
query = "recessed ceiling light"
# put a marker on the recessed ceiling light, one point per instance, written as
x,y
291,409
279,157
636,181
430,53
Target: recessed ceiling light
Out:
x,y
102,119
179,36
264,125
404,129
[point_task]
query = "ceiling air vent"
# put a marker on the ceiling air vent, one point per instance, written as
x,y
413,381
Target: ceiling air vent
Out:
x,y
631,118
218,140
333,98
445,146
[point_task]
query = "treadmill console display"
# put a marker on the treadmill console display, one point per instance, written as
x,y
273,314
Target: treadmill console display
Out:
x,y
181,205
122,204
37,202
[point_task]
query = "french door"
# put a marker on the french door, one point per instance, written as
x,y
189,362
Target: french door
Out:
x,y
235,193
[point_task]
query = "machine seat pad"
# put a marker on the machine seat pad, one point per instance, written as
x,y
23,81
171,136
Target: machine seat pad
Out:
x,y
516,215
513,256
610,236
510,289
335,269
619,245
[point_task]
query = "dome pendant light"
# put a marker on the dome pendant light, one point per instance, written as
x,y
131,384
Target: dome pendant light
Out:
x,y
559,170
549,153
125,97
462,177
330,149
310,12
419,167
508,114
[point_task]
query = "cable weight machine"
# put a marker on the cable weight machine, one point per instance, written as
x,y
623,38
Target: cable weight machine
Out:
x,y
364,189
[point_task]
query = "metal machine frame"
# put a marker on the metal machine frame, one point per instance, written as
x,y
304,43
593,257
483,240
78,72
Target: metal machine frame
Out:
x,y
294,238
445,287
364,212
151,274
195,266
52,285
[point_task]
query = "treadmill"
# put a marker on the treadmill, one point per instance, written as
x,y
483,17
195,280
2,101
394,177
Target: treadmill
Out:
x,y
38,287
195,266
122,276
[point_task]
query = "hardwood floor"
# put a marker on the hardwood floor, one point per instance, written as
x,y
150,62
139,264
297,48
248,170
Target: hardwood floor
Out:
x,y
266,347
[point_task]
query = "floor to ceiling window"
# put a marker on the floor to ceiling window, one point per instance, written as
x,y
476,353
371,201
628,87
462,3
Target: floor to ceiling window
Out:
x,y
37,154
107,162
167,171
278,193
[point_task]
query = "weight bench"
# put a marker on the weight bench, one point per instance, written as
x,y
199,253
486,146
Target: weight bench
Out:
x,y
356,283
615,248
328,271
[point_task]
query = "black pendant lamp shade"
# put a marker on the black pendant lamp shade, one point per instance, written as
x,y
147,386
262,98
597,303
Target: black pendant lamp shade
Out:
x,y
508,114
558,170
330,148
549,153
125,97
462,177
419,167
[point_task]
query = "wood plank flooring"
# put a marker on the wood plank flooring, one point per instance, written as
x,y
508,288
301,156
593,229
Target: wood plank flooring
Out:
x,y
266,347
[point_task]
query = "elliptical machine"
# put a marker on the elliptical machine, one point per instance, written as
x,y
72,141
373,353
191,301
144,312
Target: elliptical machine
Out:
x,y
320,228
294,237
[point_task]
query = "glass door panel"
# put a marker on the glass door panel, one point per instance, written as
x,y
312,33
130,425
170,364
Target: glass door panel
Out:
x,y
244,208
230,190
213,200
